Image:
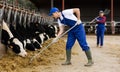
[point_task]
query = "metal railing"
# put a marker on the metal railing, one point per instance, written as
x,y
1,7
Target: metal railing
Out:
x,y
91,28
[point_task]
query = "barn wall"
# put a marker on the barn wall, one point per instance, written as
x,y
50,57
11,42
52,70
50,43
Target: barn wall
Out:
x,y
89,8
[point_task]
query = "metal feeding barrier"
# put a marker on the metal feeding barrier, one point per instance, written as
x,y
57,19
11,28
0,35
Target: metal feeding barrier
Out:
x,y
2,49
10,11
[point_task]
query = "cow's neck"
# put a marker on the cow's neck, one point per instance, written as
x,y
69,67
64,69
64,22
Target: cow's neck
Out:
x,y
5,27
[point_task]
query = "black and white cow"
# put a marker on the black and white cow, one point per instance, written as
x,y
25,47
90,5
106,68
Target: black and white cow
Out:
x,y
24,34
51,30
43,32
32,43
40,38
34,34
10,41
39,33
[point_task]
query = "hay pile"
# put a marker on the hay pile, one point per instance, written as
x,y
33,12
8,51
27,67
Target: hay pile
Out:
x,y
13,63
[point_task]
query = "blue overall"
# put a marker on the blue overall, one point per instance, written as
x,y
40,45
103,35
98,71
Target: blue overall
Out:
x,y
77,32
100,32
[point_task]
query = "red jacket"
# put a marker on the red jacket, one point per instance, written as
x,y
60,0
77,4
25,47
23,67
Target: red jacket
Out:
x,y
101,20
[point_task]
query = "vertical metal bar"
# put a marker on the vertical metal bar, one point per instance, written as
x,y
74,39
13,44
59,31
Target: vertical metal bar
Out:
x,y
112,17
8,16
21,14
25,17
63,4
17,2
111,10
52,3
14,21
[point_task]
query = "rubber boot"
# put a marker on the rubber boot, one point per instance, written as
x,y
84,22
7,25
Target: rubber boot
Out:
x,y
89,57
68,58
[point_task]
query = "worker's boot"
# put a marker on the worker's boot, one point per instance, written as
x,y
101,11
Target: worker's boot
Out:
x,y
89,57
68,58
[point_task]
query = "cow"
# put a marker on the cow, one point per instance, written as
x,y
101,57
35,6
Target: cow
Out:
x,y
34,34
23,33
46,37
40,38
42,32
50,30
12,42
30,34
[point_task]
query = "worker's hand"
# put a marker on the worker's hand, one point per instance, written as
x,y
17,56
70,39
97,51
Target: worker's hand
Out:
x,y
55,40
79,22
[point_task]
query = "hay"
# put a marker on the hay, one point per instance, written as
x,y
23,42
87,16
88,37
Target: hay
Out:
x,y
13,63
2,50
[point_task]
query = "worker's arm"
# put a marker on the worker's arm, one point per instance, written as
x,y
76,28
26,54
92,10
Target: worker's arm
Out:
x,y
61,30
77,12
103,20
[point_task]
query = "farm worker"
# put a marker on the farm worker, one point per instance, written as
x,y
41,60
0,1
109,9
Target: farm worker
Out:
x,y
100,28
67,17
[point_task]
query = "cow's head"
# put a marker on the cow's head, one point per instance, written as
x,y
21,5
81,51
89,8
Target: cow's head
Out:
x,y
52,31
29,45
17,47
12,42
46,37
36,44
